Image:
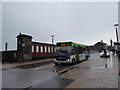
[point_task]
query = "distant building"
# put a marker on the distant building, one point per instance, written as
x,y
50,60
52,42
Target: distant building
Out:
x,y
98,47
24,47
27,50
9,56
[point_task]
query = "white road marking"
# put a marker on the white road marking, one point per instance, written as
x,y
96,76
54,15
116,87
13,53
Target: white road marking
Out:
x,y
42,67
110,61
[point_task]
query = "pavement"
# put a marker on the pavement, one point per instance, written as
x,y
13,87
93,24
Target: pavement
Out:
x,y
119,73
12,65
94,73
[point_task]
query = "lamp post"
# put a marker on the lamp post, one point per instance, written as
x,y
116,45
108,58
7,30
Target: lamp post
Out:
x,y
52,38
118,50
116,26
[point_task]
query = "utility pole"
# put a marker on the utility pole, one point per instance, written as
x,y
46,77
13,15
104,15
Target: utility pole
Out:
x,y
52,39
118,49
116,26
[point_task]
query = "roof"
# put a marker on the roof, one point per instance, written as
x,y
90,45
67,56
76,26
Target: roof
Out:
x,y
73,43
21,35
43,43
99,43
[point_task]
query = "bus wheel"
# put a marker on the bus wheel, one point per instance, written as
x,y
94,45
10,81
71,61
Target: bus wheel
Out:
x,y
56,64
73,61
86,57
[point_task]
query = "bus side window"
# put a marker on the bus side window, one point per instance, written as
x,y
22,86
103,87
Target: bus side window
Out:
x,y
72,52
80,50
77,50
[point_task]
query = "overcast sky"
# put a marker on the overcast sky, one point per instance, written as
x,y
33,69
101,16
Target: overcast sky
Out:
x,y
82,22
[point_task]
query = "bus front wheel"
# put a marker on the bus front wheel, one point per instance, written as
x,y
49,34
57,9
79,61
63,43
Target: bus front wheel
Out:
x,y
73,62
56,64
86,57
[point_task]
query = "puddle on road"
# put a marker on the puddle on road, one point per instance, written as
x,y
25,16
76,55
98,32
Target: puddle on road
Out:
x,y
52,83
109,62
42,67
55,71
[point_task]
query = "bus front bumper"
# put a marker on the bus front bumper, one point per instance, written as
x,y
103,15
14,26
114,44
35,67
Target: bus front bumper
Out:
x,y
60,61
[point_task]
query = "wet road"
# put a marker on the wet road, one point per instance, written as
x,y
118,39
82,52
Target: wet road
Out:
x,y
26,76
35,75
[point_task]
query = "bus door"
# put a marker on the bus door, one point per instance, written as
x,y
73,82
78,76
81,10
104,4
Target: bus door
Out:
x,y
76,53
81,55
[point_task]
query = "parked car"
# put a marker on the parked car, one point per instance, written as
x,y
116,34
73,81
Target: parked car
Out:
x,y
102,54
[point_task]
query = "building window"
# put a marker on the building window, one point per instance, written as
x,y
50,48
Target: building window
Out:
x,y
55,50
41,49
45,49
48,49
52,49
37,49
32,48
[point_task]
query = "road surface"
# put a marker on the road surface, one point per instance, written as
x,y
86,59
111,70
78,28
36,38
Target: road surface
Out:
x,y
46,76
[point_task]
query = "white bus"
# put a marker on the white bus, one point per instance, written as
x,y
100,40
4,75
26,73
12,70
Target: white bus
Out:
x,y
70,52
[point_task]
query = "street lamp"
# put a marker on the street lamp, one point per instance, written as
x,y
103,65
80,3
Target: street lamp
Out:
x,y
118,52
116,27
52,38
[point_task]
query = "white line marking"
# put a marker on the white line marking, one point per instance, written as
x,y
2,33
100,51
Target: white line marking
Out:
x,y
42,67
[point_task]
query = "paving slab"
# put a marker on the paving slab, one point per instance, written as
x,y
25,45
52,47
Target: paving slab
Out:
x,y
94,73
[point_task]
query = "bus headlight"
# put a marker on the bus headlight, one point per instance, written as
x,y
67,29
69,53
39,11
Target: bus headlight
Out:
x,y
54,59
68,59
